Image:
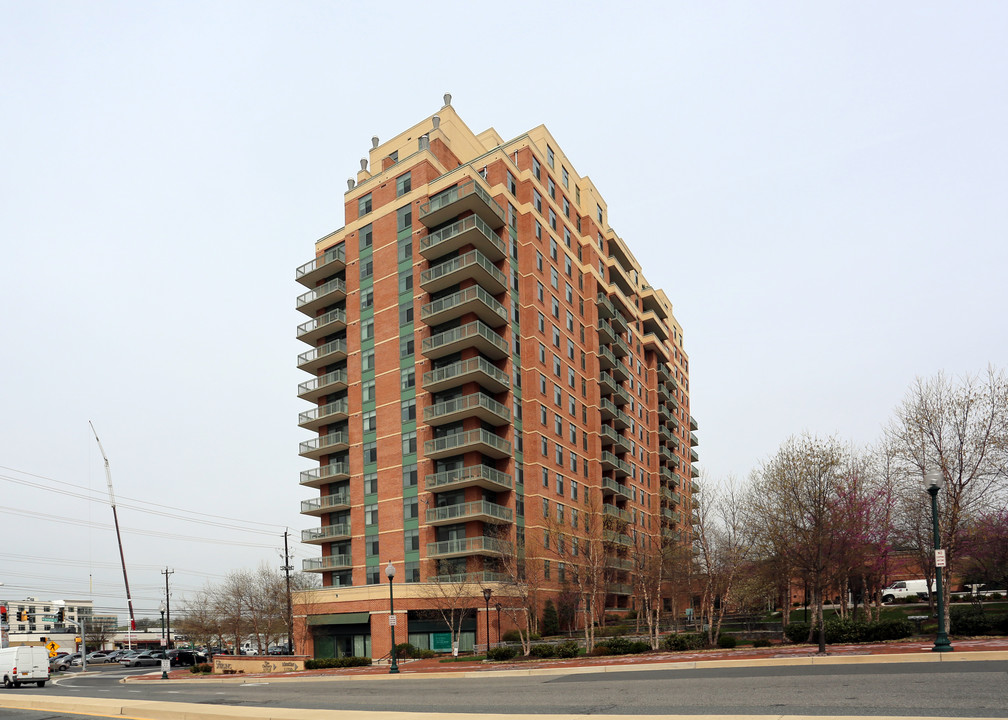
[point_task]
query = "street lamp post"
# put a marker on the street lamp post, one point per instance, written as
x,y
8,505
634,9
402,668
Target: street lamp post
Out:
x,y
498,607
487,592
390,572
933,481
162,608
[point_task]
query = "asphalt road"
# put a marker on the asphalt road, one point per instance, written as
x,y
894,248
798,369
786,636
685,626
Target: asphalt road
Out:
x,y
973,689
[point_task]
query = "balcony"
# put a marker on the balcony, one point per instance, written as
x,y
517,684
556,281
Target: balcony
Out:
x,y
620,348
330,262
314,330
693,424
611,462
605,308
482,476
331,291
325,445
621,564
620,371
618,513
693,455
326,563
605,333
607,384
619,298
460,547
476,334
481,510
616,538
619,323
664,373
606,358
694,472
611,487
669,496
472,300
336,411
467,231
332,352
670,514
666,454
326,503
473,265
326,533
694,488
620,588
476,405
328,384
669,477
693,440
333,472
467,196
465,371
478,440
475,578
609,411
653,325
608,436
622,397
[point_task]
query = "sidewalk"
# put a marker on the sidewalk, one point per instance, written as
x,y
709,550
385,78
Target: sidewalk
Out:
x,y
912,650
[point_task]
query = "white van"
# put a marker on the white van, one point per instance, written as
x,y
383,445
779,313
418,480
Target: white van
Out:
x,y
24,664
905,589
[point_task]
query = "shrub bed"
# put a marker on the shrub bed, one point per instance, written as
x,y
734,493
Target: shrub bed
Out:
x,y
726,641
679,642
501,653
340,662
848,631
201,669
761,643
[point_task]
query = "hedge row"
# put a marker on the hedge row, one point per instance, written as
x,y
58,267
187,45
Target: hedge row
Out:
x,y
340,662
679,642
852,631
967,621
621,646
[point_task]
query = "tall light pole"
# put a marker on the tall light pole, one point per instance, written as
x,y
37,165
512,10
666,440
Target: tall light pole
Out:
x,y
933,481
487,592
498,606
164,643
390,572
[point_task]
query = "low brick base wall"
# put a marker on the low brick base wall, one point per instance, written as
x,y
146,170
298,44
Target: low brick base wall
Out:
x,y
230,664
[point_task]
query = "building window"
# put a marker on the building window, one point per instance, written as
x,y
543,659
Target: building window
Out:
x,y
551,186
559,485
556,308
539,290
366,298
409,476
554,278
366,236
535,168
537,200
408,378
370,452
367,329
412,540
373,576
552,219
368,390
409,410
409,443
565,176
410,508
368,421
403,185
370,483
364,204
367,360
366,268
371,514
405,315
407,346
511,185
598,208
549,155
539,260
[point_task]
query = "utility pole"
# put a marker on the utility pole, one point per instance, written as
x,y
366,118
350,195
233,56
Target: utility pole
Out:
x,y
166,572
290,613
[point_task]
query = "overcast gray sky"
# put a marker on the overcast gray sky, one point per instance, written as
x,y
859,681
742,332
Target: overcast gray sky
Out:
x,y
819,187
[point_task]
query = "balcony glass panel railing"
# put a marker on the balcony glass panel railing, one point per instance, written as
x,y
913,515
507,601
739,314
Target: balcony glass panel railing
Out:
x,y
477,328
473,257
321,504
333,439
605,332
329,472
336,407
611,536
451,195
617,513
605,307
336,377
326,532
333,347
328,562
330,286
463,546
476,578
467,224
620,347
336,315
467,402
606,357
469,294
481,473
333,254
476,508
465,367
463,439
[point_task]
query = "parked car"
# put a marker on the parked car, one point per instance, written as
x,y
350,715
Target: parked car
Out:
x,y
98,658
185,657
147,657
60,662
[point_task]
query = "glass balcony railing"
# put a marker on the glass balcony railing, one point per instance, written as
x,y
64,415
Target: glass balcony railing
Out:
x,y
605,332
320,444
327,562
326,503
470,511
466,546
472,264
459,302
326,533
337,379
335,254
332,349
325,474
335,287
471,230
323,412
471,475
478,439
617,513
335,318
467,405
476,578
442,377
475,333
467,195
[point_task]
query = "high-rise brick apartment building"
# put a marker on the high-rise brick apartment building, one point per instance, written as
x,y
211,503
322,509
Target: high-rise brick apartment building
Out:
x,y
487,363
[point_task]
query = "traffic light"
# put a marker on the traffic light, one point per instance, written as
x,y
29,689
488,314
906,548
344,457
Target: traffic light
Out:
x,y
24,616
59,615
3,614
